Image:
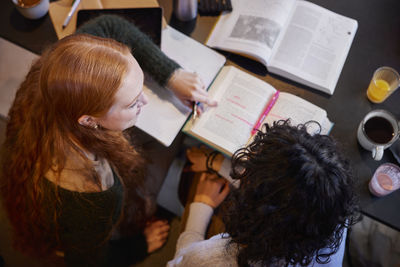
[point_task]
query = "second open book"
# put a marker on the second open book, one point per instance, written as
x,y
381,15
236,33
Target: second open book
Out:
x,y
292,38
243,100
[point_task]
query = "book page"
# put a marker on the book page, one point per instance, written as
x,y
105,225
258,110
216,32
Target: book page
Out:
x,y
241,99
314,46
164,115
252,28
298,111
15,63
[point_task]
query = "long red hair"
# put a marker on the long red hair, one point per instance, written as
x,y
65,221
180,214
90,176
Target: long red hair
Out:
x,y
78,75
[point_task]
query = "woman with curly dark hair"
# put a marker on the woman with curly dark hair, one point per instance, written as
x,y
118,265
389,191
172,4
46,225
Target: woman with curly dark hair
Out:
x,y
293,207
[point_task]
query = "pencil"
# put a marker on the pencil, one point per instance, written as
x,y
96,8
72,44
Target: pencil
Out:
x,y
71,12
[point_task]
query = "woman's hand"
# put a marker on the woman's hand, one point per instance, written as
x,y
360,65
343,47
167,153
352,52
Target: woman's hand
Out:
x,y
198,157
211,190
156,234
189,88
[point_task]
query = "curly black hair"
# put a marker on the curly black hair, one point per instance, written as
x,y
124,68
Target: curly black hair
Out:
x,y
295,199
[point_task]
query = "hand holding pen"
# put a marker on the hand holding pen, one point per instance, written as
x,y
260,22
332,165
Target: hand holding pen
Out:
x,y
190,89
71,12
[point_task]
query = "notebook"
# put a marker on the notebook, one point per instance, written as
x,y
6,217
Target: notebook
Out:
x,y
148,20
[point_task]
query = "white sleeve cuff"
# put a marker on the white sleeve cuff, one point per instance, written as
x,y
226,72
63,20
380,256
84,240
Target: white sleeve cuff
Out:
x,y
199,217
225,168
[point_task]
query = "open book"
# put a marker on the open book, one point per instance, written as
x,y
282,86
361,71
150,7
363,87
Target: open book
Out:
x,y
164,115
292,38
244,102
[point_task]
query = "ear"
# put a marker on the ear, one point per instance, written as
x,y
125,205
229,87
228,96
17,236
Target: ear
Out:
x,y
88,121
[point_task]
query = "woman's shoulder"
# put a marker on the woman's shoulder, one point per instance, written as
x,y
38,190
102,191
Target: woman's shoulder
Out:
x,y
83,206
215,251
75,177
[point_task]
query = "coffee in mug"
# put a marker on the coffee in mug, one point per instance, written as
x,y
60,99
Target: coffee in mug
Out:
x,y
27,3
377,131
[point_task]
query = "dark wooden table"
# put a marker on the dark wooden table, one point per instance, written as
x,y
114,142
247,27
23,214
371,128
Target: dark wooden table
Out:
x,y
377,43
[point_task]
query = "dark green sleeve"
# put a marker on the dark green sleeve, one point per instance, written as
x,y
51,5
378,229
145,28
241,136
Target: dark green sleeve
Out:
x,y
127,251
150,57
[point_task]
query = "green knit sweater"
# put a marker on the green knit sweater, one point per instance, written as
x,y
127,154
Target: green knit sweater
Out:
x,y
85,222
149,56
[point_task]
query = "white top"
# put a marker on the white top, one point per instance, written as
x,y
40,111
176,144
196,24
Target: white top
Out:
x,y
193,250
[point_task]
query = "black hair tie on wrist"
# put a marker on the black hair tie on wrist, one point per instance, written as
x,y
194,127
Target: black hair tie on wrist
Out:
x,y
210,161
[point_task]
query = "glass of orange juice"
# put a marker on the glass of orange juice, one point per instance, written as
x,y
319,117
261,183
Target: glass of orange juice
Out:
x,y
384,82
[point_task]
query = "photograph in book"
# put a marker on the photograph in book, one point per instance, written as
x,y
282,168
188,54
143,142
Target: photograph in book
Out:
x,y
295,39
246,102
257,29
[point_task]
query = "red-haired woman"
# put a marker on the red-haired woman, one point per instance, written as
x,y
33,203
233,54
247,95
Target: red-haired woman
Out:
x,y
72,184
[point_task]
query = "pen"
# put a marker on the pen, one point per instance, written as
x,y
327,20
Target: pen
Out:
x,y
265,112
194,110
71,12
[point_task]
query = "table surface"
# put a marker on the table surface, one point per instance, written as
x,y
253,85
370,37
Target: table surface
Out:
x,y
377,43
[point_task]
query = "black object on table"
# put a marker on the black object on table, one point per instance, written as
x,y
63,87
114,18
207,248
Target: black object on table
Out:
x,y
213,7
148,20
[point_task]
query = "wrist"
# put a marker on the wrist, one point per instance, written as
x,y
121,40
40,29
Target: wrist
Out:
x,y
214,162
205,200
217,162
172,79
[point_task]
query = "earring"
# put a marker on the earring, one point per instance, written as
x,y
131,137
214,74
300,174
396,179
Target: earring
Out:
x,y
96,126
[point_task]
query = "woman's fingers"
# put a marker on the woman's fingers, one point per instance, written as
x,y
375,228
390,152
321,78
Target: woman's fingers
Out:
x,y
189,88
202,97
156,234
163,235
225,191
211,190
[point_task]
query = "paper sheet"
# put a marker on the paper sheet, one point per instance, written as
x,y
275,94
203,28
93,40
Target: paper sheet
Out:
x,y
15,63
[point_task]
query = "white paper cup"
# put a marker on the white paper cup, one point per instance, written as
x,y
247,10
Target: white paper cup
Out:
x,y
34,11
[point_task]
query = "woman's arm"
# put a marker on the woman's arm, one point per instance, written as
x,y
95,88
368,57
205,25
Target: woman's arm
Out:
x,y
222,165
149,56
210,192
187,86
94,252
